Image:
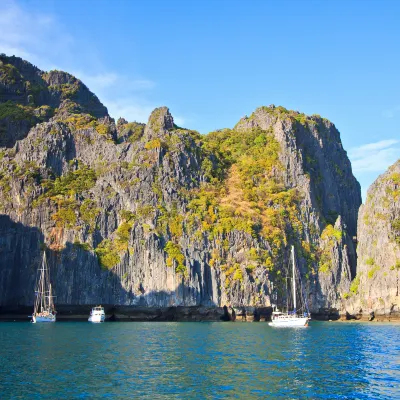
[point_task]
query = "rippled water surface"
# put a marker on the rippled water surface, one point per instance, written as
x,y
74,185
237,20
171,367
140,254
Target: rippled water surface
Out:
x,y
199,360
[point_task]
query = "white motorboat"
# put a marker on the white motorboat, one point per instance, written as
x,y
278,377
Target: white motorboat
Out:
x,y
97,315
44,306
292,318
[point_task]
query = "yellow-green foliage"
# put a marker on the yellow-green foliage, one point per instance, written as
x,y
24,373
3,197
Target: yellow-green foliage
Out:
x,y
232,272
255,150
102,129
394,180
62,192
109,250
85,121
153,144
144,212
127,215
74,182
68,90
5,186
9,75
370,261
372,271
309,253
17,112
294,116
393,187
170,221
355,284
396,230
123,235
395,267
245,192
395,177
331,233
178,137
238,275
260,257
26,171
81,121
44,112
156,119
325,263
175,257
134,130
253,254
175,226
83,246
88,213
107,254
66,213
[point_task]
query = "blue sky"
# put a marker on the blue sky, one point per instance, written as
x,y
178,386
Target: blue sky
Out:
x,y
211,62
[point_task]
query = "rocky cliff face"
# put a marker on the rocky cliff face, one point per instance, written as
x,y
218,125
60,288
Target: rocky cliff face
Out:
x,y
157,215
376,286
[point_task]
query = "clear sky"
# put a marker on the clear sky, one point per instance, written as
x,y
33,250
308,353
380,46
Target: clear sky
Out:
x,y
211,62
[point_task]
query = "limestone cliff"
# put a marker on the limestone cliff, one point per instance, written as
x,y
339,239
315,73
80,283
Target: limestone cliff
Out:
x,y
376,286
157,215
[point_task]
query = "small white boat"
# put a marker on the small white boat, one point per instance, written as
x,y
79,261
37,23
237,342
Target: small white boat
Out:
x,y
97,315
292,319
44,307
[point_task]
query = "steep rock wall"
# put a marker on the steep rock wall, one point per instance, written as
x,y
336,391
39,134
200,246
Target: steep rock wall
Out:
x,y
376,287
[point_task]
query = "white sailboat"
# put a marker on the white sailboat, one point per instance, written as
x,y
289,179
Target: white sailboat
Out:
x,y
291,319
44,307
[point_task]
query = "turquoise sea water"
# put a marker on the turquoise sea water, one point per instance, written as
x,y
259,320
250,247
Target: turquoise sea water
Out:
x,y
198,361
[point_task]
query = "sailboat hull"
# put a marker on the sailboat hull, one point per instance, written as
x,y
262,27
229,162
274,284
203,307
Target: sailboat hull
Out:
x,y
289,322
45,318
97,318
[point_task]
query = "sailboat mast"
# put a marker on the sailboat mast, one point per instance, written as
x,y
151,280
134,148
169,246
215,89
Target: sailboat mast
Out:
x,y
294,281
42,284
287,294
50,299
46,283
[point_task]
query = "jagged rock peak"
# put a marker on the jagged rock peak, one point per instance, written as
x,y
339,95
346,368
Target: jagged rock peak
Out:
x,y
265,116
55,77
29,96
121,121
160,120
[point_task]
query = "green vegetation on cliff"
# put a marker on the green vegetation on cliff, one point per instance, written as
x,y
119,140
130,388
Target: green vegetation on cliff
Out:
x,y
107,254
247,192
175,257
16,112
329,237
9,75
